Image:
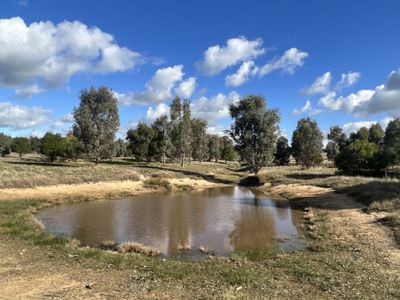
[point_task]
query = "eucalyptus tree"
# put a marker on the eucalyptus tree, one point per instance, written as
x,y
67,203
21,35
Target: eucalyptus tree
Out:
x,y
161,143
21,145
391,143
181,129
199,139
307,143
228,152
52,145
214,147
5,144
96,122
254,131
140,142
376,134
282,154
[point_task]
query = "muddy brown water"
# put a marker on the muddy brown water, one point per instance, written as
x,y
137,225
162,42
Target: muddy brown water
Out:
x,y
223,219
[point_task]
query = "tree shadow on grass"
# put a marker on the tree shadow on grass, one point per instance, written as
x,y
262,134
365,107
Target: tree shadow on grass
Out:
x,y
356,196
307,176
41,163
373,191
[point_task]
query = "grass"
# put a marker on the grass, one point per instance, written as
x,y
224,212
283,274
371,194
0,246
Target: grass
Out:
x,y
155,183
34,172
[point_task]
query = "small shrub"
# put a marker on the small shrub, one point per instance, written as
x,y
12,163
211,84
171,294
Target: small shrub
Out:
x,y
155,183
185,187
385,205
132,247
73,244
109,245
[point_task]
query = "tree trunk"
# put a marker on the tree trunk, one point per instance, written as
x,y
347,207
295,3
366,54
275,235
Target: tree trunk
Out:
x,y
182,159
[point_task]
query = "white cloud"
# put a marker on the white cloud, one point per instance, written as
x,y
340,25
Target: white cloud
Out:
x,y
247,69
217,129
68,118
186,88
215,108
288,62
307,107
348,79
384,98
154,113
21,117
28,91
237,50
355,126
321,85
23,3
159,88
49,54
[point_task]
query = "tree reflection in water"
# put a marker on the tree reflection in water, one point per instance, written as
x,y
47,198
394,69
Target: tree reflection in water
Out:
x,y
224,219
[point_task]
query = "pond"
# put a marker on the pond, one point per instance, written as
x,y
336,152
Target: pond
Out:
x,y
223,219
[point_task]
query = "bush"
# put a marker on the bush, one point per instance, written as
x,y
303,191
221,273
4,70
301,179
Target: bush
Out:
x,y
132,247
155,183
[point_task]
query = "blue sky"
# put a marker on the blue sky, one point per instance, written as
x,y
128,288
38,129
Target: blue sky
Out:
x,y
336,61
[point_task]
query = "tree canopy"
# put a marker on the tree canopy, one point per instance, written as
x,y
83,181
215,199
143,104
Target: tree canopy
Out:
x,y
254,131
96,122
307,143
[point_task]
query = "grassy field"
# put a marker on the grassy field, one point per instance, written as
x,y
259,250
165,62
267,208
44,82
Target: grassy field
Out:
x,y
350,255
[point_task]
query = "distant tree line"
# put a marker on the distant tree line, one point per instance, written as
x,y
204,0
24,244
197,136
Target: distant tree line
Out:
x,y
253,138
179,138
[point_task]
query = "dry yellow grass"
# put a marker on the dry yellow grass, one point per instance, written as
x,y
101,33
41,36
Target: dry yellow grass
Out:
x,y
97,190
133,247
32,173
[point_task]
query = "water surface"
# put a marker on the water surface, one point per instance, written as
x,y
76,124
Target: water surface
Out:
x,y
224,219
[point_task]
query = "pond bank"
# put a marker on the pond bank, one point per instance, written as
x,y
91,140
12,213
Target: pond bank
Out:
x,y
350,256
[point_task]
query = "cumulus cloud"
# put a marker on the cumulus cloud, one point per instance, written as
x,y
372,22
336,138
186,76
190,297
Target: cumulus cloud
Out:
x,y
355,126
384,98
22,117
217,129
159,88
236,50
27,92
247,69
45,55
154,113
321,85
347,80
287,63
214,108
307,107
68,118
186,88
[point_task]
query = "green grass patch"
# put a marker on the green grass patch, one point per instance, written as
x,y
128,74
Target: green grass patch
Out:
x,y
256,254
